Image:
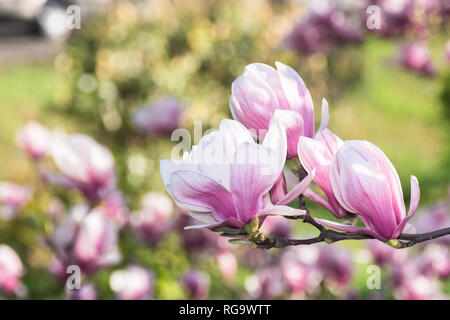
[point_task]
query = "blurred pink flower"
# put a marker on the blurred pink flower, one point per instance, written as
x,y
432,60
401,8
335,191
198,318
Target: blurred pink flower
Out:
x,y
336,264
276,226
318,154
365,182
85,164
415,57
34,139
196,283
160,117
227,264
385,254
96,244
12,198
133,283
411,284
86,292
433,218
153,219
115,208
265,284
11,269
435,259
229,187
262,92
322,30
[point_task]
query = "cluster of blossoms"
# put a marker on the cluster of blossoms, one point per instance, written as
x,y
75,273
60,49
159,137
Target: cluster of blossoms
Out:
x,y
332,25
230,182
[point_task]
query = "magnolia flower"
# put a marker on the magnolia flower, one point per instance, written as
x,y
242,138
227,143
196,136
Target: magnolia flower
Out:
x,y
277,227
95,244
262,92
161,117
34,139
196,283
11,269
365,182
318,154
134,283
86,165
12,198
433,218
153,219
225,179
416,57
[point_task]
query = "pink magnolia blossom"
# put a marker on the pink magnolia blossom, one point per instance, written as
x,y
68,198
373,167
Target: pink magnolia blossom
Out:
x,y
153,220
133,283
365,182
34,139
96,244
160,117
196,283
12,198
433,218
416,57
226,178
85,164
11,269
318,154
262,92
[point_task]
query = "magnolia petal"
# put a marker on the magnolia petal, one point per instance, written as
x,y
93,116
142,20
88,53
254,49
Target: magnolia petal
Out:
x,y
229,222
325,116
349,228
311,195
193,189
297,95
414,203
293,122
298,189
279,210
254,171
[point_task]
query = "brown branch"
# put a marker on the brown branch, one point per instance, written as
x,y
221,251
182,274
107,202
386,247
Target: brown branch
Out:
x,y
331,236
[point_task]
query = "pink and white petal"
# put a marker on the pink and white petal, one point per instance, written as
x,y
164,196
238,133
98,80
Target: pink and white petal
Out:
x,y
275,140
311,195
298,189
205,217
349,228
297,95
229,222
293,123
254,171
414,203
169,166
233,135
325,116
195,190
279,210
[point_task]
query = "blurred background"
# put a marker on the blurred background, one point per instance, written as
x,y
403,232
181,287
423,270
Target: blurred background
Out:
x,y
127,73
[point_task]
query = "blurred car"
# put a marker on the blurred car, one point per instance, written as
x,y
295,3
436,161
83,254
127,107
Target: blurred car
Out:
x,y
51,15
